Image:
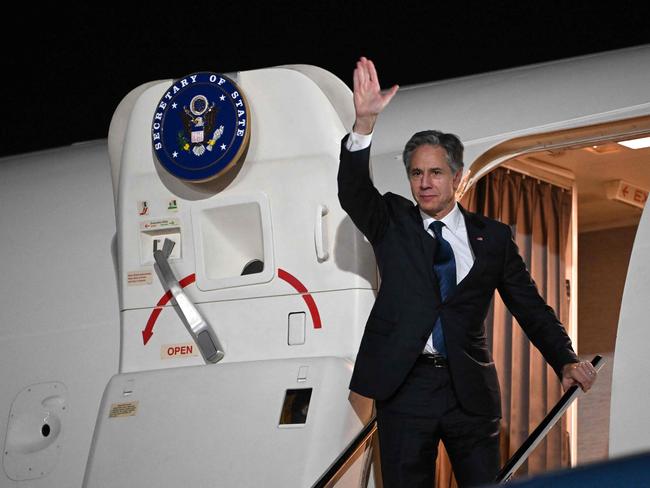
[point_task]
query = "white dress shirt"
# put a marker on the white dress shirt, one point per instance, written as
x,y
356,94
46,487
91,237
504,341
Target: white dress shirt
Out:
x,y
454,230
357,142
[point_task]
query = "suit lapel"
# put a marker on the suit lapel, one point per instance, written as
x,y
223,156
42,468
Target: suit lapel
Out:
x,y
428,245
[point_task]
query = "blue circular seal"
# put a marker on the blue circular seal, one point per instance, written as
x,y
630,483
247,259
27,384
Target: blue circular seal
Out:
x,y
201,127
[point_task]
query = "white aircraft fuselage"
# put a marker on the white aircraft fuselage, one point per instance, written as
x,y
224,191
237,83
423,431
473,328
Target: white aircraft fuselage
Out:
x,y
104,381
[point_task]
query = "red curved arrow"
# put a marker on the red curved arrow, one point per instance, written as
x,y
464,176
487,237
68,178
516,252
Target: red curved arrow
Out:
x,y
306,296
148,330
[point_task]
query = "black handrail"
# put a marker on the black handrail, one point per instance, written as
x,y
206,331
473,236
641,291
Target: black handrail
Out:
x,y
345,456
542,429
506,472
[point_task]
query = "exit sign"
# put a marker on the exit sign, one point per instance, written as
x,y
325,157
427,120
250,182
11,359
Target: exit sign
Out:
x,y
627,193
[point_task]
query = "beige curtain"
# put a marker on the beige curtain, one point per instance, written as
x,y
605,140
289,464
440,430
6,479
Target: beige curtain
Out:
x,y
539,214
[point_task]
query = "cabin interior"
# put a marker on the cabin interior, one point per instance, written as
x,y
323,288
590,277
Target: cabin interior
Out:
x,y
608,183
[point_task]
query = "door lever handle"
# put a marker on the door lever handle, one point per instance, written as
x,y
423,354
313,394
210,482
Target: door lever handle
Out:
x,y
203,335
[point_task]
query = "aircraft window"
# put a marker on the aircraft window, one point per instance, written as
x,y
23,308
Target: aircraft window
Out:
x,y
295,407
252,267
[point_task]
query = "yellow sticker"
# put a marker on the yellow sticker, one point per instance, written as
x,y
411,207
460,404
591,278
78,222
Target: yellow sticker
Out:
x,y
128,409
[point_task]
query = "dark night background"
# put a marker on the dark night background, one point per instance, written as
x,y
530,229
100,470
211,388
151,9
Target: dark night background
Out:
x,y
67,68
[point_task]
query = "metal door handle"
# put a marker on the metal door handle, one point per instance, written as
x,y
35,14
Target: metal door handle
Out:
x,y
320,237
201,332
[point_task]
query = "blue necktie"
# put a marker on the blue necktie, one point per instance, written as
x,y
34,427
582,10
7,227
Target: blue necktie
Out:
x,y
444,266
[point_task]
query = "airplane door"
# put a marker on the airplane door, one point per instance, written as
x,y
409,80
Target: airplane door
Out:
x,y
629,419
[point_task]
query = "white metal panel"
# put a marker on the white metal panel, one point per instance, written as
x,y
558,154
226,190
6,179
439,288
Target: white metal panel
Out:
x,y
218,425
118,129
334,89
251,329
59,315
629,423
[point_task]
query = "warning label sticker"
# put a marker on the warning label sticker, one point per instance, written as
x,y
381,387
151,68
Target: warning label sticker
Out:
x,y
135,278
170,351
128,409
159,224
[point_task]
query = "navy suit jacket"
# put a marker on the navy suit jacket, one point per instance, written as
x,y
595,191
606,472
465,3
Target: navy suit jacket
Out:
x,y
408,302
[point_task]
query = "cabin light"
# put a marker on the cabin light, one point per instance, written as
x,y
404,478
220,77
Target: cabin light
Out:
x,y
636,143
603,148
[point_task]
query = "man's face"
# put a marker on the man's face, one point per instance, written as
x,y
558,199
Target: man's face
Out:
x,y
433,184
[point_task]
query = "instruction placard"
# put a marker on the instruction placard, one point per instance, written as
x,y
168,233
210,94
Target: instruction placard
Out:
x,y
159,224
126,409
135,278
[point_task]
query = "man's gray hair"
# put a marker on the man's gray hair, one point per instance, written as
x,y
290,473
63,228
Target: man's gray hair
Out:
x,y
449,142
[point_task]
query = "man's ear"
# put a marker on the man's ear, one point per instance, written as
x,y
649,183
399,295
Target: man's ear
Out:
x,y
457,177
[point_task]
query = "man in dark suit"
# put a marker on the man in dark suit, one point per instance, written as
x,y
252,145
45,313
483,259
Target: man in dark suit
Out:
x,y
424,355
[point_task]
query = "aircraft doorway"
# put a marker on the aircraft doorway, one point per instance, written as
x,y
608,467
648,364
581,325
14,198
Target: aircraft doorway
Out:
x,y
604,184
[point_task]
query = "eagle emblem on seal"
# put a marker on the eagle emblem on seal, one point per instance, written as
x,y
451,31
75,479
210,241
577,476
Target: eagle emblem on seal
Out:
x,y
200,133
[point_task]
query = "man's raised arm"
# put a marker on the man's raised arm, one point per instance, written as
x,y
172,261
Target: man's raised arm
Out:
x,y
357,195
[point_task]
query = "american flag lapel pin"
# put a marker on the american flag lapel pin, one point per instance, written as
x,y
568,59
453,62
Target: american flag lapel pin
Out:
x,y
479,238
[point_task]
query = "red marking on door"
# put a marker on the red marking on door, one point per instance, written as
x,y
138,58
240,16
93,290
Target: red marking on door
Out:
x,y
306,296
148,330
179,350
